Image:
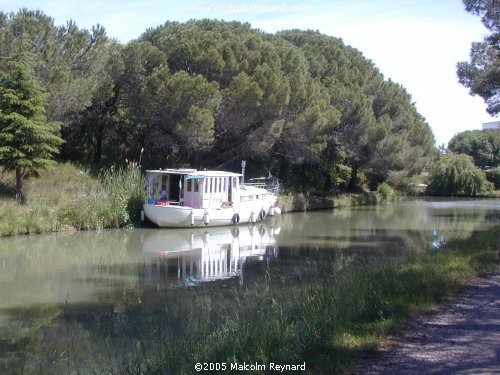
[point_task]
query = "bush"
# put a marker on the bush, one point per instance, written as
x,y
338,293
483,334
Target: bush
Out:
x,y
385,192
456,175
493,176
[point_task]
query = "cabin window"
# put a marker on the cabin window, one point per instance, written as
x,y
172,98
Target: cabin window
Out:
x,y
189,185
196,185
164,181
234,182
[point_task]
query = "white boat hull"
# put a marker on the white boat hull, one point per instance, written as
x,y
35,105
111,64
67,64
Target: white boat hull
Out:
x,y
171,216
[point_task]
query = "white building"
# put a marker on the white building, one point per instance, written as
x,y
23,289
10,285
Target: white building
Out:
x,y
491,125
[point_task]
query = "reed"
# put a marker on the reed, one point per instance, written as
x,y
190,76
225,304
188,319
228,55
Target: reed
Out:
x,y
70,197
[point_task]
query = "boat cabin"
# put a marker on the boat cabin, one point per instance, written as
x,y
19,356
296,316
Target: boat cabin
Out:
x,y
192,188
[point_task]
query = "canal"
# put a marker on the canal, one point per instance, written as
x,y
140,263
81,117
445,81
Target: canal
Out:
x,y
90,302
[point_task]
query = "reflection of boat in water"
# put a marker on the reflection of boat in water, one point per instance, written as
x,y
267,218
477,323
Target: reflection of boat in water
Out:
x,y
190,256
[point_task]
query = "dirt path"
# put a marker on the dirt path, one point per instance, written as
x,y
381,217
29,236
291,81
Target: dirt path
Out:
x,y
462,338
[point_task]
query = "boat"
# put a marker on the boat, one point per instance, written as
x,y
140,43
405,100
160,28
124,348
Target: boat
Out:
x,y
181,198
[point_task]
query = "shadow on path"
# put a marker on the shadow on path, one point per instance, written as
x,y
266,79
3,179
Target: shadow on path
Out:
x,y
464,338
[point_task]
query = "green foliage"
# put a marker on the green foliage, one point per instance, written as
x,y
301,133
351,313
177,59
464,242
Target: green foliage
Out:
x,y
68,198
28,142
481,75
66,60
379,129
482,145
493,176
456,175
385,191
210,93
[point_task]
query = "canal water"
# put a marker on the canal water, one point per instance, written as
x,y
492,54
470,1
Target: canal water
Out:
x,y
91,302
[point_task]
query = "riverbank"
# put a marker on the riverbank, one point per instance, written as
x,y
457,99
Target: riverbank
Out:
x,y
347,308
302,202
69,198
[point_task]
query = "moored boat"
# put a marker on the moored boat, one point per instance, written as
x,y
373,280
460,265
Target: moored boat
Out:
x,y
188,197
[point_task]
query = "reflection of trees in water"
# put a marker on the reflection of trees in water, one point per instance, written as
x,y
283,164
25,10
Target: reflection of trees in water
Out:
x,y
23,338
47,261
417,224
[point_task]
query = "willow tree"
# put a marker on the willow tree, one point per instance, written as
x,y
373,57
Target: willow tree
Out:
x,y
456,175
28,142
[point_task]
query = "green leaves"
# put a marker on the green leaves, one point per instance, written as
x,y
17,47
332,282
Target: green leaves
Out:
x,y
482,145
208,93
482,74
28,142
456,175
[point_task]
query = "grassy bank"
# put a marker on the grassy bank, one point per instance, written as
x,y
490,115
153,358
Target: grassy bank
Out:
x,y
347,308
304,202
293,202
68,198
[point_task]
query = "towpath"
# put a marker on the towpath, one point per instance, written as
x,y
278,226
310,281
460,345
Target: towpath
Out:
x,y
463,337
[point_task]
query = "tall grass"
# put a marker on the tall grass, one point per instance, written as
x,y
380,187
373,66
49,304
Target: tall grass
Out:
x,y
68,197
330,318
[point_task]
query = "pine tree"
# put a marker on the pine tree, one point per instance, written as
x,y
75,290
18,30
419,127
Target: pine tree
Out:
x,y
28,142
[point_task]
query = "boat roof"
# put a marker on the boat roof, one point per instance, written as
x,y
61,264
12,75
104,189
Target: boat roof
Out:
x,y
172,171
194,173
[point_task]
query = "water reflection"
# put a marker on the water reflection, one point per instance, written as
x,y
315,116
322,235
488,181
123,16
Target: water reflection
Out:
x,y
105,292
413,225
192,256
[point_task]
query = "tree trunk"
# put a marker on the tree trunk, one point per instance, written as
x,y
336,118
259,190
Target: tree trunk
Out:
x,y
303,178
284,171
353,182
20,174
98,146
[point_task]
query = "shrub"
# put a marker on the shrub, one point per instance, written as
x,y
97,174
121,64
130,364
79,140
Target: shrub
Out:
x,y
456,175
385,192
493,176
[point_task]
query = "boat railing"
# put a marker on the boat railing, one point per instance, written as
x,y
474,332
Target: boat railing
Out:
x,y
269,183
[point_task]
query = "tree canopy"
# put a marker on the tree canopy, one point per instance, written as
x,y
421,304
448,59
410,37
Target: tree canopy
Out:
x,y
482,145
209,93
456,175
28,142
481,75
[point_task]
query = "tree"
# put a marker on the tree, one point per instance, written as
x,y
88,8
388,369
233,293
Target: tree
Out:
x,y
482,145
482,74
380,130
66,60
456,175
28,142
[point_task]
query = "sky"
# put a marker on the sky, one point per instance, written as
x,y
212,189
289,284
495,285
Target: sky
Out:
x,y
416,43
